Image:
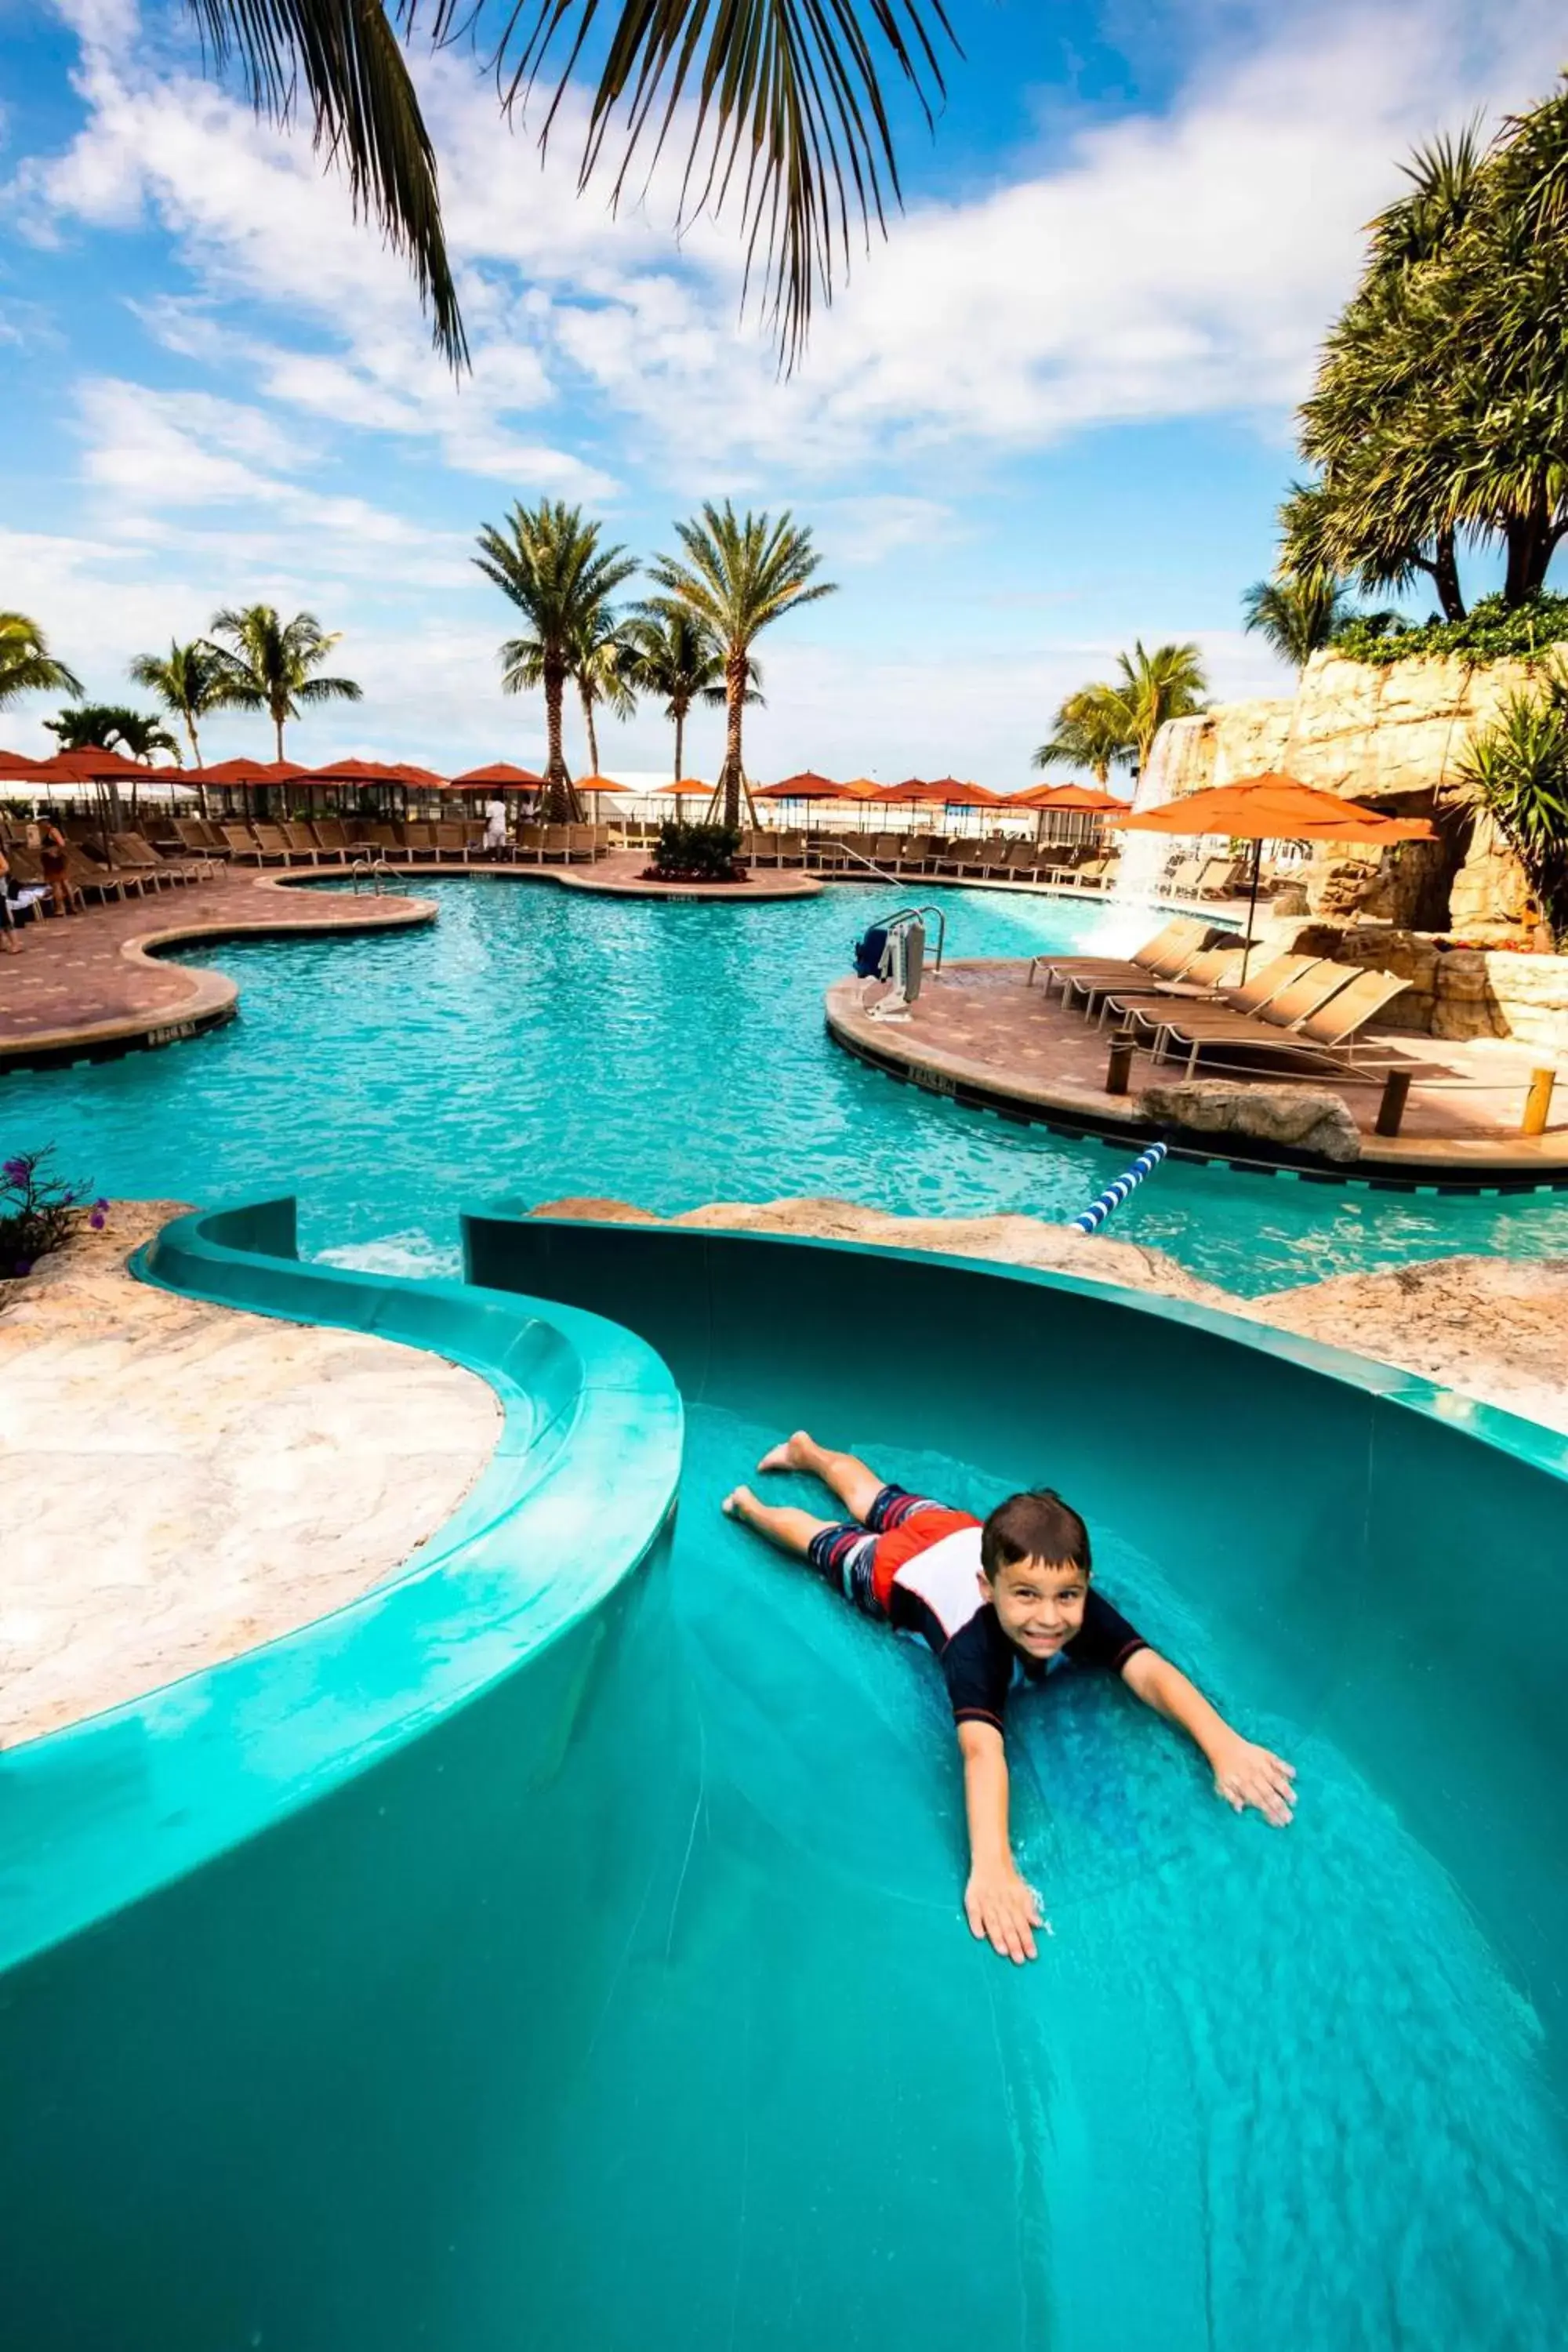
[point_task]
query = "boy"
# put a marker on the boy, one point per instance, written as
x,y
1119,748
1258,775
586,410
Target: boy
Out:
x,y
999,1602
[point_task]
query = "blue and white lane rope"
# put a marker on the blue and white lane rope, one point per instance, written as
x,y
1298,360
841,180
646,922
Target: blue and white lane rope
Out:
x,y
1094,1216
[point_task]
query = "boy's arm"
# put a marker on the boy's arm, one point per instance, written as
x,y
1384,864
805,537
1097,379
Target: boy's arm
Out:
x,y
1243,1774
1001,1909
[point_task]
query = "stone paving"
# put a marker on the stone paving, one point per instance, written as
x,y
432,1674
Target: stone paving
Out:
x,y
980,1028
88,977
183,1482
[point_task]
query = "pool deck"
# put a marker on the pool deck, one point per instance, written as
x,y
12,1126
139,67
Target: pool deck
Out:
x,y
621,876
981,1035
90,986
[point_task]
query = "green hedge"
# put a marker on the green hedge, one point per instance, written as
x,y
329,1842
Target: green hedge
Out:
x,y
1492,631
697,852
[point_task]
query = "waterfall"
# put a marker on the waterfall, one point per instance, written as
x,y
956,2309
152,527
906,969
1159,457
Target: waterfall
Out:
x,y
1125,922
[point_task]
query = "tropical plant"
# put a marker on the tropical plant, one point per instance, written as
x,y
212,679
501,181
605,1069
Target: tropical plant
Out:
x,y
1517,770
1491,630
111,727
602,664
1094,731
739,577
785,107
273,663
26,666
1297,612
39,1210
1439,415
189,681
1168,683
548,559
697,852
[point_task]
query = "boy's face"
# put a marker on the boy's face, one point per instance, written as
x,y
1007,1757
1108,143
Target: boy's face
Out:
x,y
1039,1607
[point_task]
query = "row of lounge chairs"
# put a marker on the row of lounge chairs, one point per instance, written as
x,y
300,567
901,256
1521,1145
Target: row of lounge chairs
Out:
x,y
924,853
1182,994
133,867
328,841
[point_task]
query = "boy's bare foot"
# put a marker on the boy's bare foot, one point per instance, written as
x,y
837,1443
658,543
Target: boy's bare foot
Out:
x,y
739,1504
793,1455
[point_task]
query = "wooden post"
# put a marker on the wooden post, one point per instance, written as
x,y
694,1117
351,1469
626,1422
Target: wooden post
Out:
x,y
1119,1069
1538,1102
1396,1095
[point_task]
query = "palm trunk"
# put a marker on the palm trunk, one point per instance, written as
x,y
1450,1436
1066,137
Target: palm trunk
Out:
x,y
1530,545
278,724
593,736
560,803
735,698
1445,572
195,763
680,740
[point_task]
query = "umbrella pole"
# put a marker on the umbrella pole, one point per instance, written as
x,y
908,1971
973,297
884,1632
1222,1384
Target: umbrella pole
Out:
x,y
1251,907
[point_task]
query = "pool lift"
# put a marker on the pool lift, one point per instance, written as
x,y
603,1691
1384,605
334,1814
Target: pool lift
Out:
x,y
893,952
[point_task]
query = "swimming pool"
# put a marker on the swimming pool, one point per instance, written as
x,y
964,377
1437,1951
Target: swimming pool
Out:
x,y
536,1042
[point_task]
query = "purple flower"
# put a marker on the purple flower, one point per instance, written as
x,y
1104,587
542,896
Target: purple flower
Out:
x,y
97,1220
98,1205
15,1171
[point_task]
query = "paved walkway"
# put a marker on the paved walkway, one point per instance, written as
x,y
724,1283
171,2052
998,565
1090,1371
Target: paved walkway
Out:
x,y
183,1482
88,981
981,1033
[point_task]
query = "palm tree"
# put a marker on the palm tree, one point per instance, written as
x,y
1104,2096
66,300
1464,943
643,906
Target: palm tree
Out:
x,y
270,662
26,666
738,579
676,656
1297,612
189,680
794,97
111,727
548,559
1168,683
1094,731
601,664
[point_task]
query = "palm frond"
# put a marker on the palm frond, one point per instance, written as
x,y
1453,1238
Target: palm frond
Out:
x,y
789,115
366,117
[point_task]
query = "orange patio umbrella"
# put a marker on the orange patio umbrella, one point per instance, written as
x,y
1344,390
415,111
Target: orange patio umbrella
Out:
x,y
498,777
1066,796
808,786
1273,808
684,787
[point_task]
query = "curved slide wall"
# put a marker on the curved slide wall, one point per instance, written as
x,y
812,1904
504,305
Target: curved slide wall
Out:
x,y
539,1953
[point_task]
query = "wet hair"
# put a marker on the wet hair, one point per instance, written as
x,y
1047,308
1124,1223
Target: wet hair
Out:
x,y
1034,1526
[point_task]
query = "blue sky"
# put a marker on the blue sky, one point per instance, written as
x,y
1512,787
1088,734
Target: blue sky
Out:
x,y
1051,413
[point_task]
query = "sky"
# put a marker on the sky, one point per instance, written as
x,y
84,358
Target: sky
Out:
x,y
1050,413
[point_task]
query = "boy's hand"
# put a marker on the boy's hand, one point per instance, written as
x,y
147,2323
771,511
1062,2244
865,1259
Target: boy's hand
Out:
x,y
1246,1775
1004,1912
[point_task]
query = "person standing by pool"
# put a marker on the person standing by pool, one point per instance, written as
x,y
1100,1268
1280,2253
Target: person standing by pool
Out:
x,y
52,857
1000,1602
495,824
8,939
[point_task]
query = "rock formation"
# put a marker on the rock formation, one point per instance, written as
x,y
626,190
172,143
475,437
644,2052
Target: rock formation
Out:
x,y
1393,733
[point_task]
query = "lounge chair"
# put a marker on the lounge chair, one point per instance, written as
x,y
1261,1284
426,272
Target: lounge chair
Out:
x,y
332,842
129,853
1290,1023
419,840
555,844
304,849
531,843
1306,980
582,844
792,849
86,879
271,845
451,842
1161,958
1216,969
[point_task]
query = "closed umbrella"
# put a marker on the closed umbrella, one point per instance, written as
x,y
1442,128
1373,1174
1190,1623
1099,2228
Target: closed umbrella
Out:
x,y
1272,807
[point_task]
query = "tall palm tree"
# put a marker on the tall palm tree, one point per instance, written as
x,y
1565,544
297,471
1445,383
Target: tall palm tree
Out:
x,y
738,579
27,664
675,656
1094,730
1168,683
548,559
273,661
112,726
1297,612
793,97
189,680
602,664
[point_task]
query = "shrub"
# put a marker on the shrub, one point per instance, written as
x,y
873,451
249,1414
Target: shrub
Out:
x,y
38,1210
1517,770
1492,631
697,852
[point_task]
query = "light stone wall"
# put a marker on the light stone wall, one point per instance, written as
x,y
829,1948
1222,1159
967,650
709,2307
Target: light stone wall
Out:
x,y
1372,730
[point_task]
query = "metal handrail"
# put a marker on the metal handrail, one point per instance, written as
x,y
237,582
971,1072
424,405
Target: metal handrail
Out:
x,y
373,867
903,915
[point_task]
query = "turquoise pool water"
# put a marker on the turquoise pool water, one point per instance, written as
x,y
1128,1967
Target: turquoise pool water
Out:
x,y
536,1042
